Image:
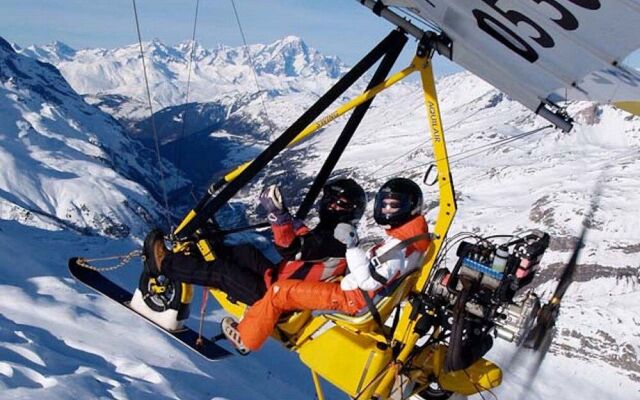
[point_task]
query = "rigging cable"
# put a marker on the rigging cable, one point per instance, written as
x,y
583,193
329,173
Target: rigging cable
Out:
x,y
270,123
475,151
178,147
423,143
499,143
252,64
415,16
153,124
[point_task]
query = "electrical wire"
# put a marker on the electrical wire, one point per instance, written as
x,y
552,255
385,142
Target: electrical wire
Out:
x,y
448,245
153,124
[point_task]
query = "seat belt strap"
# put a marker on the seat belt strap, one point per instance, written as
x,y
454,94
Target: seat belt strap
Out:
x,y
389,254
375,314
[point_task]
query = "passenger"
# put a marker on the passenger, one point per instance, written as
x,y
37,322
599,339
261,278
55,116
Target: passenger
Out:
x,y
398,209
244,273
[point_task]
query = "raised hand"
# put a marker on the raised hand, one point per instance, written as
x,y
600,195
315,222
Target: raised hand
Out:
x,y
271,200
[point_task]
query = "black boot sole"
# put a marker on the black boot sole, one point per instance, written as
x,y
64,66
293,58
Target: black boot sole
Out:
x,y
150,266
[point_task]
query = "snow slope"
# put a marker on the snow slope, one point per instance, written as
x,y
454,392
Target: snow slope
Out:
x,y
59,340
65,163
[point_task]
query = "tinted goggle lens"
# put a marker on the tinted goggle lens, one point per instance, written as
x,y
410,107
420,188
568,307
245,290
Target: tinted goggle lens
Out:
x,y
336,200
390,203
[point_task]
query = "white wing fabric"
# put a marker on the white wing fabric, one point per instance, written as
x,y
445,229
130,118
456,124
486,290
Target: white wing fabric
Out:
x,y
542,50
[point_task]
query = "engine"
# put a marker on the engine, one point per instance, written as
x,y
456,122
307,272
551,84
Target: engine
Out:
x,y
484,293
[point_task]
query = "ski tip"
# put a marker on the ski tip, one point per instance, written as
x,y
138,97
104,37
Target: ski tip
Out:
x,y
75,268
73,262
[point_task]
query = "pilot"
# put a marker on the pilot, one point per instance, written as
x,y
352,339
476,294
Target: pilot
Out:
x,y
244,273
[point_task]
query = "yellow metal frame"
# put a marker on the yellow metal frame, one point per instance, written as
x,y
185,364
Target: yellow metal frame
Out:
x,y
363,365
632,107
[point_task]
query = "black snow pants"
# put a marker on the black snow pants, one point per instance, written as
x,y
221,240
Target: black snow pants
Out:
x,y
238,271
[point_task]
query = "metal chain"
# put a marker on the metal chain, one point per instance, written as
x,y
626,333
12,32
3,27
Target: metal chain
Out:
x,y
124,259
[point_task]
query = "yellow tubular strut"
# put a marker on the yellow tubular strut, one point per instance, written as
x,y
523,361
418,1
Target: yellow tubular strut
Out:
x,y
316,125
404,333
316,383
447,206
191,215
630,106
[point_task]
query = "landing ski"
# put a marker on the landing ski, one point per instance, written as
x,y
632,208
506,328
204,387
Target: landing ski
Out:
x,y
186,336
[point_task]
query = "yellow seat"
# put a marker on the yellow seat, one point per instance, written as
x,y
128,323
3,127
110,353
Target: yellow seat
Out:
x,y
348,360
385,305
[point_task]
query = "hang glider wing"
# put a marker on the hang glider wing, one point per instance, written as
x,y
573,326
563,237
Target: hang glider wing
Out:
x,y
541,51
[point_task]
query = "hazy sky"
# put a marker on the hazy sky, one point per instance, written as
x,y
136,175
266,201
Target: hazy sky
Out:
x,y
335,27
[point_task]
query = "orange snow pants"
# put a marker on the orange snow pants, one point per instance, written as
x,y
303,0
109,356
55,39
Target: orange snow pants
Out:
x,y
290,295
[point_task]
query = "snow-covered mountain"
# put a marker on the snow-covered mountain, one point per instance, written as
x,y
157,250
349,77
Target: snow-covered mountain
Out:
x,y
223,75
72,183
232,111
66,164
542,180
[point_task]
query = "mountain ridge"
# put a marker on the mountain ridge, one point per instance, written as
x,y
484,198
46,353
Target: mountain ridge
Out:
x,y
117,71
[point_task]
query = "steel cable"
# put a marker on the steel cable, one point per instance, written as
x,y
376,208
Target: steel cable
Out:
x,y
475,151
178,147
153,124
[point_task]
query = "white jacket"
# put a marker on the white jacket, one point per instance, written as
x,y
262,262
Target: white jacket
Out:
x,y
359,275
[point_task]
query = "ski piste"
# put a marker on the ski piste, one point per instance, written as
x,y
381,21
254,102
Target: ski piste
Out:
x,y
103,285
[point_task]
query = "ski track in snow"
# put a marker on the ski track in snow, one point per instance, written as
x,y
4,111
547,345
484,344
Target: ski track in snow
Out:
x,y
59,340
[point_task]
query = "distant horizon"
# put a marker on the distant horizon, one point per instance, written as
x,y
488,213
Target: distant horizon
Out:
x,y
156,39
448,69
633,60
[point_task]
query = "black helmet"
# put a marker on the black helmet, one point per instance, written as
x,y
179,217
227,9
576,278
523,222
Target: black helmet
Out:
x,y
397,202
343,200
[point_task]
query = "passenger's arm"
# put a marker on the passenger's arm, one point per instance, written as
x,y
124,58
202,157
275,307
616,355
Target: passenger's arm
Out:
x,y
285,229
360,275
285,235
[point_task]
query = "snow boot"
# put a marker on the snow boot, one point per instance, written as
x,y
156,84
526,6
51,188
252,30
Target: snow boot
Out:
x,y
230,330
154,252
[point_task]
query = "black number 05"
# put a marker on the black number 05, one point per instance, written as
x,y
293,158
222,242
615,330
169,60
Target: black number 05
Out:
x,y
505,35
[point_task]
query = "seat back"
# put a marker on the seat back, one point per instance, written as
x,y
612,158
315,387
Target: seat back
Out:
x,y
385,302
